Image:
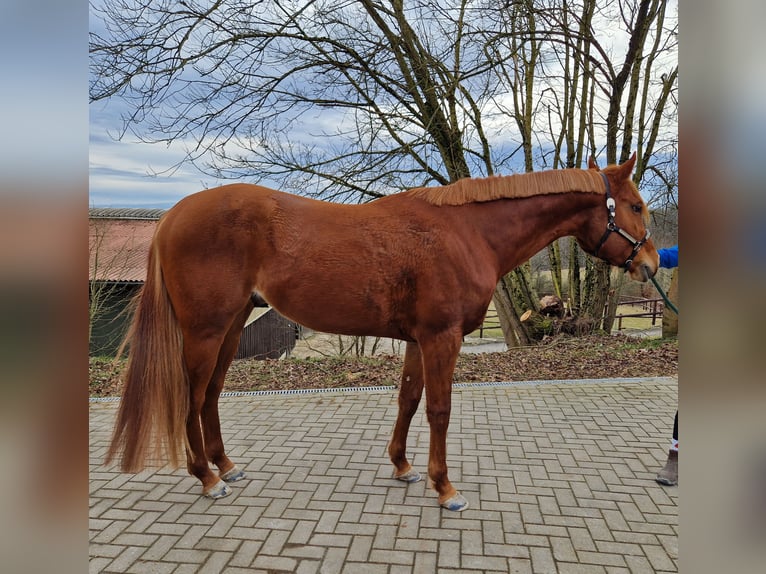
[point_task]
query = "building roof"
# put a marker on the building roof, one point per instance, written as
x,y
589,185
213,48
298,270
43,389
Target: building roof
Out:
x,y
118,243
124,213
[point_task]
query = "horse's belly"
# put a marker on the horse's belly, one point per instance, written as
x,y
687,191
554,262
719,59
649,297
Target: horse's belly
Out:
x,y
340,315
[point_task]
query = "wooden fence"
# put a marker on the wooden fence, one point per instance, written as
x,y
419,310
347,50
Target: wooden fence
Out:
x,y
269,337
648,308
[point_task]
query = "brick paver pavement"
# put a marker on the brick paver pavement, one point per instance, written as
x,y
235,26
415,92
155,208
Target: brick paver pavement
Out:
x,y
559,476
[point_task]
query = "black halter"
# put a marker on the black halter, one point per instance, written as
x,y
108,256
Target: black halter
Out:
x,y
611,226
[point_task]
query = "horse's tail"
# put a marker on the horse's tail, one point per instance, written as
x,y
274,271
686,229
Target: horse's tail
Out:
x,y
151,421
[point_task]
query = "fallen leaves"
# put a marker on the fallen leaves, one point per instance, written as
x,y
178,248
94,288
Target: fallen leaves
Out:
x,y
561,357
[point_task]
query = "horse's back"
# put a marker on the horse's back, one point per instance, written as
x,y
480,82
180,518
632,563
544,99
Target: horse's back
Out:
x,y
220,203
354,269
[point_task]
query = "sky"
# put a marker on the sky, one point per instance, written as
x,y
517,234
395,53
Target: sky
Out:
x,y
125,172
129,173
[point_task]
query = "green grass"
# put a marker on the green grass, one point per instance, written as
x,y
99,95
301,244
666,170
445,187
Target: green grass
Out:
x,y
647,343
636,322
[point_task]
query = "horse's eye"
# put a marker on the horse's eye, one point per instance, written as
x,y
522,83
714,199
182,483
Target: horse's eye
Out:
x,y
636,208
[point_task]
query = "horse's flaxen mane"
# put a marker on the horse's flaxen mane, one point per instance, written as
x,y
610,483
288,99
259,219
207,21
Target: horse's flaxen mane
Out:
x,y
512,186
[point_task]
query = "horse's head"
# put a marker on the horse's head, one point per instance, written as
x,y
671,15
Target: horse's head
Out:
x,y
618,234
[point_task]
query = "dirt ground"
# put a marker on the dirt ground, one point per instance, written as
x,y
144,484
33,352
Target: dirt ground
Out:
x,y
561,357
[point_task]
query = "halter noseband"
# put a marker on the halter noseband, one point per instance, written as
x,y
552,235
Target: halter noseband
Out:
x,y
611,226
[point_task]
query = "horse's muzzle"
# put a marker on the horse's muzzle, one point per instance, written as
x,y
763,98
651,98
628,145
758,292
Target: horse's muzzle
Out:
x,y
642,272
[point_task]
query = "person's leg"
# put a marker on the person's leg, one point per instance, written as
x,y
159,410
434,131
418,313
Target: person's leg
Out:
x,y
669,474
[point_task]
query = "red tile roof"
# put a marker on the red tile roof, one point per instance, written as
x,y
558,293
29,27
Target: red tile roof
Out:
x,y
118,243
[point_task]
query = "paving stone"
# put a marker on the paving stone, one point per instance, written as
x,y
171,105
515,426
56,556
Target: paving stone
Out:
x,y
366,567
245,553
425,563
570,568
126,559
96,565
275,563
659,558
601,558
519,566
147,567
449,554
303,551
308,567
562,549
559,477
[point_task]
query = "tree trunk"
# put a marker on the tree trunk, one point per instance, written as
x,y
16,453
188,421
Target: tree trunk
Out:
x,y
613,300
596,289
669,317
539,326
554,258
524,293
575,285
513,331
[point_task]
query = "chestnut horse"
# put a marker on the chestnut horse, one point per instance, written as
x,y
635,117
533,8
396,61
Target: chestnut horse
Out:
x,y
420,266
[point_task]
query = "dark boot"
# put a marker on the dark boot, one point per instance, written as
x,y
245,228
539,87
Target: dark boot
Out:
x,y
669,475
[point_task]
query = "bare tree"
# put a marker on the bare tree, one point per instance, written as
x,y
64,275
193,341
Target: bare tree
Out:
x,y
104,263
357,99
582,85
257,88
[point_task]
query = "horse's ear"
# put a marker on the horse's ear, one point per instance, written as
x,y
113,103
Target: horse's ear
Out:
x,y
592,163
626,169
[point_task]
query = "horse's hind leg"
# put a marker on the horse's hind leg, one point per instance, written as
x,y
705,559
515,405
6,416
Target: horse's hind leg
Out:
x,y
211,425
410,392
201,355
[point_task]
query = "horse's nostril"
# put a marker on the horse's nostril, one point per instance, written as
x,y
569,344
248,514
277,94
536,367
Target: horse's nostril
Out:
x,y
647,272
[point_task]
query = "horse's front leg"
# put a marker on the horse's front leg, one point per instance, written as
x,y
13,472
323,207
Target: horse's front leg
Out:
x,y
410,392
439,357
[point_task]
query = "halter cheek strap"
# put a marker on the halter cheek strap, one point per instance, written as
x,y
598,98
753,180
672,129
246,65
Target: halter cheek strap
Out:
x,y
612,227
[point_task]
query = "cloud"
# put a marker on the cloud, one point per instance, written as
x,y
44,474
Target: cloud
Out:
x,y
130,173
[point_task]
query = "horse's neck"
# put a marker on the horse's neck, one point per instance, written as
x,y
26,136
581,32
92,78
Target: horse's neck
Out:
x,y
518,228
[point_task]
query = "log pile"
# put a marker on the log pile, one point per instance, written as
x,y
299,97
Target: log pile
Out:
x,y
553,319
552,306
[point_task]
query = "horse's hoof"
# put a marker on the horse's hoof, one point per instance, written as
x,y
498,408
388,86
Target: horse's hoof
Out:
x,y
220,490
456,503
411,475
233,475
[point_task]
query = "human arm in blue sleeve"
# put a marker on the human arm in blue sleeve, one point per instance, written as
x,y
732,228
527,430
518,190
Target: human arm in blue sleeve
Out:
x,y
668,257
